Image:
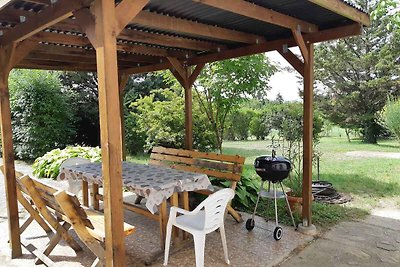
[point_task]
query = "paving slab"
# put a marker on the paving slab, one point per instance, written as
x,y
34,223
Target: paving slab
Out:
x,y
374,241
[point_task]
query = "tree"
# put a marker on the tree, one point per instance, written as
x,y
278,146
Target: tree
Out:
x,y
391,117
41,114
359,73
82,87
160,119
223,85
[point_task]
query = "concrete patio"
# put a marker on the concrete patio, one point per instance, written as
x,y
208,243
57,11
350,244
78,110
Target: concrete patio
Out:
x,y
257,248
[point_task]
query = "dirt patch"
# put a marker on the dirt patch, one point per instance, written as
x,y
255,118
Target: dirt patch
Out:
x,y
373,154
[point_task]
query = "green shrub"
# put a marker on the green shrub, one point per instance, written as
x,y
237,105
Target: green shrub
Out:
x,y
49,164
41,115
391,117
159,119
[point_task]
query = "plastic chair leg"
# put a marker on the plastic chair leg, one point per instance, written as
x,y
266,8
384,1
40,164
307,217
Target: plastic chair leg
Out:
x,y
224,246
199,243
167,244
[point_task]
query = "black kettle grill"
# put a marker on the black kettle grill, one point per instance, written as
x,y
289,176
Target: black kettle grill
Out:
x,y
274,170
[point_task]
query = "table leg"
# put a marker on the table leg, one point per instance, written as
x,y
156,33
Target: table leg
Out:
x,y
175,202
94,190
185,200
85,193
163,219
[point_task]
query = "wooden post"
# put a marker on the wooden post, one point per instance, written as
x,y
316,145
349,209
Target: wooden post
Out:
x,y
186,77
110,125
308,135
188,112
123,81
8,155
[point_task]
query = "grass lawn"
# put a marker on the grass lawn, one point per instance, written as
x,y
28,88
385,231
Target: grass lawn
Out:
x,y
370,181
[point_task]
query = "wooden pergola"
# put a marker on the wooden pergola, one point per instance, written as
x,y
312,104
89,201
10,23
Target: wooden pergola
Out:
x,y
124,37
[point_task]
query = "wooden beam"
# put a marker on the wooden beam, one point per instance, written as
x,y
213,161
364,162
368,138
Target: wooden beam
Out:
x,y
260,13
345,10
22,50
196,72
110,125
177,65
148,68
326,35
293,60
308,136
86,23
126,11
35,23
168,40
316,37
298,37
6,55
168,23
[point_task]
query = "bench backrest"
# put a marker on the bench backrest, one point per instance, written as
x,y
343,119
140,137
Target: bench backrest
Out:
x,y
227,167
42,195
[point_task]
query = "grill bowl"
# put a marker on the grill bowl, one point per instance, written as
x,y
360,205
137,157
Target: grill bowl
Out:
x,y
273,169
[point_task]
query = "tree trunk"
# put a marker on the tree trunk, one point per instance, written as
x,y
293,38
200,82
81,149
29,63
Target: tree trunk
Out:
x,y
347,131
371,132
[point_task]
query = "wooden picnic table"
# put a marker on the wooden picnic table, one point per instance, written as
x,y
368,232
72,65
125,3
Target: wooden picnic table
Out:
x,y
155,183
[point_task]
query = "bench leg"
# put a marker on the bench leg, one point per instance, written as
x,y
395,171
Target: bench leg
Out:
x,y
85,193
94,191
54,241
235,214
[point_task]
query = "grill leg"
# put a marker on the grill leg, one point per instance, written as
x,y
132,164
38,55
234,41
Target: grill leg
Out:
x,y
287,203
258,199
267,200
276,205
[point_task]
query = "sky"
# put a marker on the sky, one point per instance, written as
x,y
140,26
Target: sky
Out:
x,y
283,82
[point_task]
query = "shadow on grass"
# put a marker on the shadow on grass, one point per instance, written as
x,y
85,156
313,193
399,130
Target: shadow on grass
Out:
x,y
362,185
323,215
388,146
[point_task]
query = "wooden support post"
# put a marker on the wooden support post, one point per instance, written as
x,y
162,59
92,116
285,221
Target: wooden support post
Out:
x,y
308,135
123,81
6,55
186,78
110,125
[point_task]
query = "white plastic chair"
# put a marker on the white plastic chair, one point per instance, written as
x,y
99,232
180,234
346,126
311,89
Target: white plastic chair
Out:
x,y
74,186
206,218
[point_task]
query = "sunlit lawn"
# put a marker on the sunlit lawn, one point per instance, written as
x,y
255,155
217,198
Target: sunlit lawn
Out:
x,y
368,180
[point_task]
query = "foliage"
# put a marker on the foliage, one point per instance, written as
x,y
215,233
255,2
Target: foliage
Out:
x,y
258,127
391,117
82,88
162,122
389,9
139,85
246,188
359,72
49,164
41,115
238,124
223,85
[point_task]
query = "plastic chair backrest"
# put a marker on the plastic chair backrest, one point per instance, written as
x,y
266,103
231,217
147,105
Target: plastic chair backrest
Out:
x,y
214,208
73,162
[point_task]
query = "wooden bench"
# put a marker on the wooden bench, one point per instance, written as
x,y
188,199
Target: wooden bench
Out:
x,y
219,166
61,210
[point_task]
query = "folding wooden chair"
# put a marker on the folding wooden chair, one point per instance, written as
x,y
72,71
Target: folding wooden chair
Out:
x,y
61,210
27,203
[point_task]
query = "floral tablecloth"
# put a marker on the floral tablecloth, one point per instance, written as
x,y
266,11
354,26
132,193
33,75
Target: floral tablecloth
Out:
x,y
155,183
